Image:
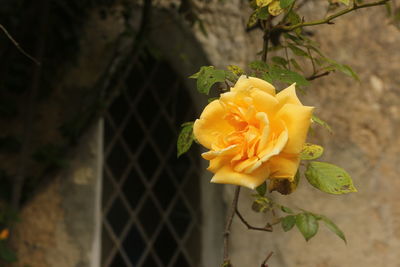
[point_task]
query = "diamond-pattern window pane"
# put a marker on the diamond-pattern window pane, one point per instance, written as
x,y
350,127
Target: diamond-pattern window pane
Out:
x,y
151,213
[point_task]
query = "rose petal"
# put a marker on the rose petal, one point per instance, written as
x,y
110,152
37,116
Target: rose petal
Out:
x,y
226,175
228,151
264,102
247,83
288,96
283,166
211,125
297,120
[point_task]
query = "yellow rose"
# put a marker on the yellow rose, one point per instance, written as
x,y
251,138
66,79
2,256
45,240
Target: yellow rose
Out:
x,y
254,134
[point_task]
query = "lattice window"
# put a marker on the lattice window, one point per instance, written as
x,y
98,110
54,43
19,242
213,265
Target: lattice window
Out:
x,y
150,198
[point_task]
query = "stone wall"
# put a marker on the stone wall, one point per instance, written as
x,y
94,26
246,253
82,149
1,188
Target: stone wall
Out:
x,y
365,119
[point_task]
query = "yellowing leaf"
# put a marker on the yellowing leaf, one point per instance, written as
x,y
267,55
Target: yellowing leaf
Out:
x,y
329,178
262,3
311,151
275,8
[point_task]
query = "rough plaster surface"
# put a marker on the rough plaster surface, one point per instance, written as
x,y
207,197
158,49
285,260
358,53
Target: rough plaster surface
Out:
x,y
58,226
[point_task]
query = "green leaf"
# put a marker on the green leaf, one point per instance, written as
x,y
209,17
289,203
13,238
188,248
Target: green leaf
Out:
x,y
329,178
346,2
6,253
342,68
185,138
294,18
334,228
298,51
295,64
288,222
207,77
307,225
280,61
262,189
261,204
235,69
258,65
285,3
286,209
317,120
262,13
252,20
287,76
311,151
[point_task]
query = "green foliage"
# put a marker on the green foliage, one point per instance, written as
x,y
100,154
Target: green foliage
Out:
x,y
329,178
207,77
6,253
262,13
311,151
334,228
262,204
185,138
276,73
286,3
288,222
307,225
319,121
262,189
286,210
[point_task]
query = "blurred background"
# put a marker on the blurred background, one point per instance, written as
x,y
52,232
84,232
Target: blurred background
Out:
x,y
88,167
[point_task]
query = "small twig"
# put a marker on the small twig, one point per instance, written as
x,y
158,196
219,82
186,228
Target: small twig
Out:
x,y
228,224
16,44
328,20
312,60
287,56
266,259
267,228
316,76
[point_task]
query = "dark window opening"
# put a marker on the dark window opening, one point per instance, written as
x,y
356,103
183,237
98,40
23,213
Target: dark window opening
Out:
x,y
151,199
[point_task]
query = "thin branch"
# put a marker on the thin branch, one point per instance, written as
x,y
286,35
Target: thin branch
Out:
x,y
328,20
267,228
316,76
228,224
312,61
29,113
16,44
264,263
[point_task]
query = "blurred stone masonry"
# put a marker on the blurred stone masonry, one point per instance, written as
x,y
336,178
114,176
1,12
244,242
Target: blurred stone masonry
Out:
x,y
365,117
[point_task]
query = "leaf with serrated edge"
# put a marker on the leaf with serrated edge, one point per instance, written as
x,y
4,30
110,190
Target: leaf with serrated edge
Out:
x,y
185,138
334,228
307,225
207,77
329,178
288,222
311,151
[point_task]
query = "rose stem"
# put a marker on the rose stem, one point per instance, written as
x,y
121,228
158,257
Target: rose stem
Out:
x,y
228,224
